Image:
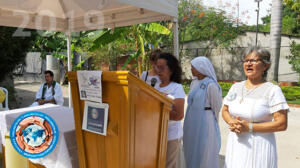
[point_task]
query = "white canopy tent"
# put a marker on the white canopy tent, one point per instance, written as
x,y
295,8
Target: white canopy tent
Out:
x,y
80,15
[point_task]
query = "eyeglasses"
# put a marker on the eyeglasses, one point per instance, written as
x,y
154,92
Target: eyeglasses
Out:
x,y
252,61
161,68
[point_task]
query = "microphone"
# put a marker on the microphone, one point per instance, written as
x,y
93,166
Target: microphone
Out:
x,y
153,82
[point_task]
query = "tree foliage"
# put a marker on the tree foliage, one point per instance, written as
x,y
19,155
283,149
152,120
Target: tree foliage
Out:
x,y
13,50
294,58
108,53
210,25
290,20
55,44
49,42
206,24
293,4
141,38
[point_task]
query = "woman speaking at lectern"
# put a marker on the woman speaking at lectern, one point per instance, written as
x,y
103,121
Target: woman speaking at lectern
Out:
x,y
151,77
169,72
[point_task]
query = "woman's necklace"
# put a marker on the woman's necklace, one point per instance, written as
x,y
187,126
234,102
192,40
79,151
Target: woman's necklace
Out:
x,y
248,91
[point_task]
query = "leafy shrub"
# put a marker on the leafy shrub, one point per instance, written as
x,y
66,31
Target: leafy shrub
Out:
x,y
294,58
186,86
291,92
225,86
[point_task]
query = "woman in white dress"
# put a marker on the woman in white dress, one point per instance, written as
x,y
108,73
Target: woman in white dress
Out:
x,y
151,77
201,133
169,72
254,109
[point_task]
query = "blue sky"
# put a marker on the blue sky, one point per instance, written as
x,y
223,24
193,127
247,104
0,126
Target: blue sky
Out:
x,y
247,13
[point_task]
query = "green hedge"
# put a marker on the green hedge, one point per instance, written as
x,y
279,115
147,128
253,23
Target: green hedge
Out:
x,y
186,87
290,92
225,86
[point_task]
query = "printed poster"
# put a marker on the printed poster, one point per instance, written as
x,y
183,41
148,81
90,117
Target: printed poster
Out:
x,y
90,87
95,117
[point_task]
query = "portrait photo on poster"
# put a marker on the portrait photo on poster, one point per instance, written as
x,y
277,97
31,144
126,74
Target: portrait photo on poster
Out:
x,y
95,117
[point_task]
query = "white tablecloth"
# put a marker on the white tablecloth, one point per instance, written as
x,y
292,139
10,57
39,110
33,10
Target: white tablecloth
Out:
x,y
65,153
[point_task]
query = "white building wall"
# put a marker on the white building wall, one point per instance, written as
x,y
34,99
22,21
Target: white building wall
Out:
x,y
227,62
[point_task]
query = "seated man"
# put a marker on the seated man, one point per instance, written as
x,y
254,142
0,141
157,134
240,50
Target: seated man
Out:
x,y
49,92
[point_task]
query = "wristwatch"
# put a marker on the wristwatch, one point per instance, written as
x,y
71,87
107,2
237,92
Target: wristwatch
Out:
x,y
250,127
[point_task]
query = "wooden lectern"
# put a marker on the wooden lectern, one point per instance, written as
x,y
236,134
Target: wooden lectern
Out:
x,y
137,124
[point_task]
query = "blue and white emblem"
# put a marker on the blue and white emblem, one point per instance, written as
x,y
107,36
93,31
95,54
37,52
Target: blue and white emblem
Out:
x,y
231,97
202,86
34,134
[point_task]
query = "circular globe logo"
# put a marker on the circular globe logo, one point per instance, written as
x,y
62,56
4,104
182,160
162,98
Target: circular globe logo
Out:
x,y
34,134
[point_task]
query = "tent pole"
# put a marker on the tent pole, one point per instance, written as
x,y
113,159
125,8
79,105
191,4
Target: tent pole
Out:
x,y
175,38
68,34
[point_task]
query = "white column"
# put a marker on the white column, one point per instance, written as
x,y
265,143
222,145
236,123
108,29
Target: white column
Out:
x,y
175,38
68,34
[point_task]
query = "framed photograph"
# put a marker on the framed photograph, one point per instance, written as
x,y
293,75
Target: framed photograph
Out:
x,y
95,117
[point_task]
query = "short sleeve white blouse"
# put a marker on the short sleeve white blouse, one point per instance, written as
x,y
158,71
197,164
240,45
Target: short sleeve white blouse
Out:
x,y
255,105
174,91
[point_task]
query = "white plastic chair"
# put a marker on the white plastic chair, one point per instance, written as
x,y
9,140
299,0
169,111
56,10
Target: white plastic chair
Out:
x,y
6,100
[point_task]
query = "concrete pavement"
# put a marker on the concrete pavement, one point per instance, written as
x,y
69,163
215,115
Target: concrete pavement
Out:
x,y
25,93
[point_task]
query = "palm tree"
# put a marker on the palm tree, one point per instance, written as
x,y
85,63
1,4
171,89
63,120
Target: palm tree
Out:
x,y
275,37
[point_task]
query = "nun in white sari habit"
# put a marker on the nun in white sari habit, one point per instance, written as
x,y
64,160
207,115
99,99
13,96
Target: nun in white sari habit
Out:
x,y
201,134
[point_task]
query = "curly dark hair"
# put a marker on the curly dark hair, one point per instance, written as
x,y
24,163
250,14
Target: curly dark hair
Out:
x,y
173,65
